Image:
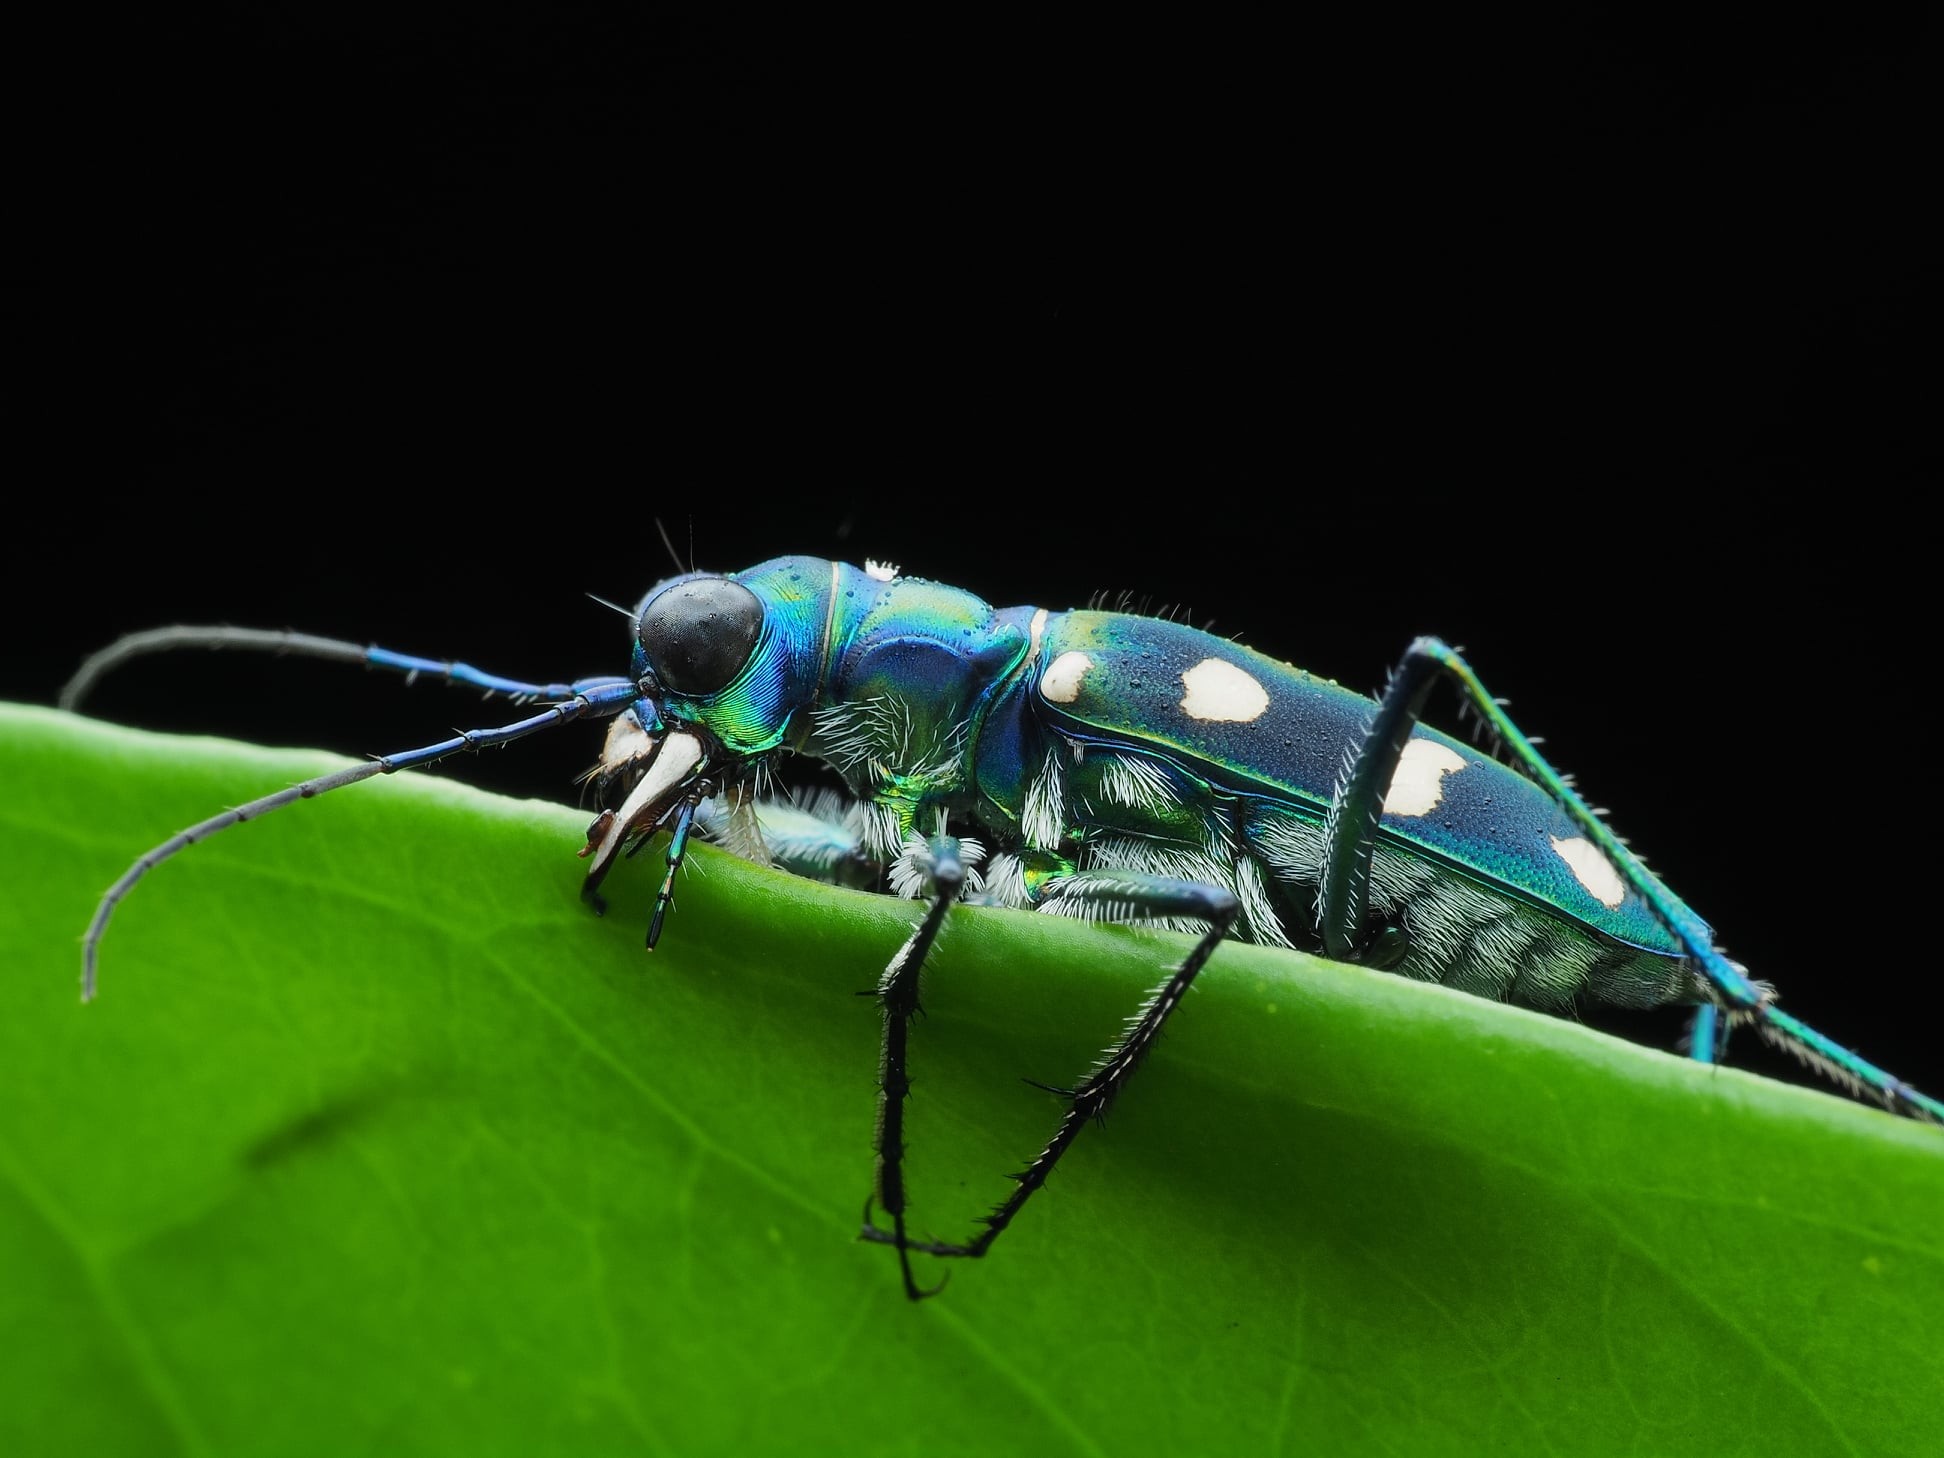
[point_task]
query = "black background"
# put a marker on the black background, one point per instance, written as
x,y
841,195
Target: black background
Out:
x,y
1604,349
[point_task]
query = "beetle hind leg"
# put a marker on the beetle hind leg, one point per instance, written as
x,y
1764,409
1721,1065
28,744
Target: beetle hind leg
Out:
x,y
1729,996
1841,1066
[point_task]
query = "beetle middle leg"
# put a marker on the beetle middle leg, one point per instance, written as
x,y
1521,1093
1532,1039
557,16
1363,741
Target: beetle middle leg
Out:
x,y
1129,896
943,864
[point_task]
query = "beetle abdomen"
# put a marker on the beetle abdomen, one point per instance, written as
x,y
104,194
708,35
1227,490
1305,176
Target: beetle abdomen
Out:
x,y
1260,729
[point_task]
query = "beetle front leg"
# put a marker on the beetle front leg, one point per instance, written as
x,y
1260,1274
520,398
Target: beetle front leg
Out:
x,y
1131,896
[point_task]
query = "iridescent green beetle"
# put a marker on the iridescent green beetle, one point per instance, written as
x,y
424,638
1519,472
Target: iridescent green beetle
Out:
x,y
1118,767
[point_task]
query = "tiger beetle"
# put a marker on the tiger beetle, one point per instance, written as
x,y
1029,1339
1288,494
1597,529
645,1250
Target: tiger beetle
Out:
x,y
1121,768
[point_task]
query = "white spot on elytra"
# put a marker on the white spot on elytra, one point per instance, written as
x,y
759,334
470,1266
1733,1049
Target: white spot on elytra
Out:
x,y
1061,681
882,571
1221,693
1418,786
1591,869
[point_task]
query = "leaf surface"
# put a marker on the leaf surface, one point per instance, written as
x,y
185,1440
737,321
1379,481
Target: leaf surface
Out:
x,y
378,1141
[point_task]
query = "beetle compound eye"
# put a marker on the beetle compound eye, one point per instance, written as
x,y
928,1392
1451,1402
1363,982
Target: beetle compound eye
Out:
x,y
699,634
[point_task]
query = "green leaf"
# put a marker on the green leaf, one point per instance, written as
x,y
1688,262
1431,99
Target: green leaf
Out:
x,y
378,1141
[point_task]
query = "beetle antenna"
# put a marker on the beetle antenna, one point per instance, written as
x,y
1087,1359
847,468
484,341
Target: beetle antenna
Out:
x,y
598,698
98,666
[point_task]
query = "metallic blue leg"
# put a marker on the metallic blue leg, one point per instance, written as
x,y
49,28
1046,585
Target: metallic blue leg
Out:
x,y
1707,1036
677,851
